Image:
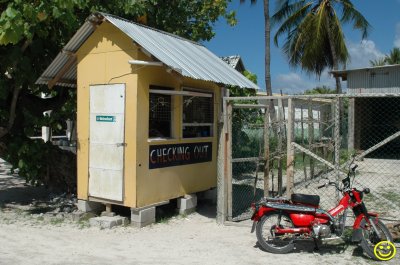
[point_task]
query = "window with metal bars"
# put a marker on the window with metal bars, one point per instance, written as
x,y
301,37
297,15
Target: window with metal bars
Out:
x,y
160,113
198,116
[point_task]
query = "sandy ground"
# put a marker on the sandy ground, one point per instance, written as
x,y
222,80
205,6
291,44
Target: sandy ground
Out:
x,y
28,238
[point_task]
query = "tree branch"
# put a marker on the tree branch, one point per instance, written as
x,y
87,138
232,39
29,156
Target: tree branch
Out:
x,y
4,131
17,90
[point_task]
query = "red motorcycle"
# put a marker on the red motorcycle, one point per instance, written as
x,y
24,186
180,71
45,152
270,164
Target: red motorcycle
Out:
x,y
280,222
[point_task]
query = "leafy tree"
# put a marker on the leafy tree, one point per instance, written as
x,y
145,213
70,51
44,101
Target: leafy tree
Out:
x,y
320,90
392,58
315,40
31,35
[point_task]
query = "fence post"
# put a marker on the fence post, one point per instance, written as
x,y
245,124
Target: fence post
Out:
x,y
310,128
266,149
228,157
281,121
350,143
290,150
221,164
337,142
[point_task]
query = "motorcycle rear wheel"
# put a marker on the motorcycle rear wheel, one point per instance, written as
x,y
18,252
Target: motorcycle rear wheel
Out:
x,y
370,239
279,244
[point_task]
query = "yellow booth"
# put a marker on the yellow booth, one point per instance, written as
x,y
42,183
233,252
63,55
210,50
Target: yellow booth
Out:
x,y
148,106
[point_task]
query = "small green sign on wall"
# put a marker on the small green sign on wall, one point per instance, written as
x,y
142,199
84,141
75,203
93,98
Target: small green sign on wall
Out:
x,y
101,118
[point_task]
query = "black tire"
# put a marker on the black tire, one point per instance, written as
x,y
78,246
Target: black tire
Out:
x,y
369,238
280,244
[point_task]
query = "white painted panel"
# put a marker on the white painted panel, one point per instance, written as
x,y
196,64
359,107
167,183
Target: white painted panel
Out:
x,y
107,98
106,149
107,132
105,184
106,157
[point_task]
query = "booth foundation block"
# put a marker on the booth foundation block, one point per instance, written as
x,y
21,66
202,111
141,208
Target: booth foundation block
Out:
x,y
89,206
108,222
187,204
143,217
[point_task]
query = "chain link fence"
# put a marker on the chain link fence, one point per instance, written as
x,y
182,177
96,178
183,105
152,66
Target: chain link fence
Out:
x,y
280,145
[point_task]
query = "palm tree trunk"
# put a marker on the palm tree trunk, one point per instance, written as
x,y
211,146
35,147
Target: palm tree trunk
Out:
x,y
267,48
334,57
271,105
337,78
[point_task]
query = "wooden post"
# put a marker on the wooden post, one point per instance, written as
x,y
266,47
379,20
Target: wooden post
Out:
x,y
350,143
302,142
281,121
337,138
266,149
108,208
221,167
290,150
228,148
311,135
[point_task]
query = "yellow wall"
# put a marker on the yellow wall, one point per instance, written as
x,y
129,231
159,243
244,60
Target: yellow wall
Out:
x,y
105,56
103,59
155,185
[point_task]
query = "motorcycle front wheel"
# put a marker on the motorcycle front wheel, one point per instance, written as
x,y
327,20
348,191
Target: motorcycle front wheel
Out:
x,y
369,237
267,238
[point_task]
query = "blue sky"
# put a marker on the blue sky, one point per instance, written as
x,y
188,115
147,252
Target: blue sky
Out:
x,y
247,40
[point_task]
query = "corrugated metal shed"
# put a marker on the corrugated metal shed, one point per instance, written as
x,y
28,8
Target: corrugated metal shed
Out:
x,y
381,79
188,58
235,62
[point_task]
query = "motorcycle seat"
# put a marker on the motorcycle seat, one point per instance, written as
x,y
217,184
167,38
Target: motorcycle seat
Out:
x,y
305,199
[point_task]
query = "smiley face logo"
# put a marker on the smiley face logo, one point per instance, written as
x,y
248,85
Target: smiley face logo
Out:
x,y
385,250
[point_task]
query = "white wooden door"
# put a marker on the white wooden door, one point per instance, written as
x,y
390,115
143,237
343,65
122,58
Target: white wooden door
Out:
x,y
106,142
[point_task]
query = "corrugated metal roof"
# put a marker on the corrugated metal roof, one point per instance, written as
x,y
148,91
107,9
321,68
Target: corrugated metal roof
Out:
x,y
184,56
364,69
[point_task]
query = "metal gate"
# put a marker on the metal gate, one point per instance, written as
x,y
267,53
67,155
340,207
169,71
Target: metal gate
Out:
x,y
292,144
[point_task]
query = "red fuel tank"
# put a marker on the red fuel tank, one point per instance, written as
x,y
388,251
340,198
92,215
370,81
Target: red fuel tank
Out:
x,y
301,219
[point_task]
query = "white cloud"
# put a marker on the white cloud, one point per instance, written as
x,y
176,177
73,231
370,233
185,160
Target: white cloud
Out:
x,y
361,53
396,42
294,83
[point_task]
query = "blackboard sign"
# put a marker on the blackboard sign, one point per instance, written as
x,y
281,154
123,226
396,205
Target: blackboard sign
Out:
x,y
179,154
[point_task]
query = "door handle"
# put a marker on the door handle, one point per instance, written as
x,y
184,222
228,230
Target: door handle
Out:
x,y
121,144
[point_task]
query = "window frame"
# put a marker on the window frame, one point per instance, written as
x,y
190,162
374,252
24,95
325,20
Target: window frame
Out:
x,y
210,125
171,127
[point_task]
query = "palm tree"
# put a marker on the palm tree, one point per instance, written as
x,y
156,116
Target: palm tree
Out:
x,y
267,30
315,40
393,57
378,62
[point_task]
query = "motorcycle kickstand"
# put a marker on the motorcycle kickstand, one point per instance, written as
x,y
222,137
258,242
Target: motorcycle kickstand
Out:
x,y
316,247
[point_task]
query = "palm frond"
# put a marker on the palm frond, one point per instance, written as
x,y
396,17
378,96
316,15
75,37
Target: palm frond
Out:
x,y
315,39
339,40
322,13
291,22
285,10
251,1
393,57
351,15
378,62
